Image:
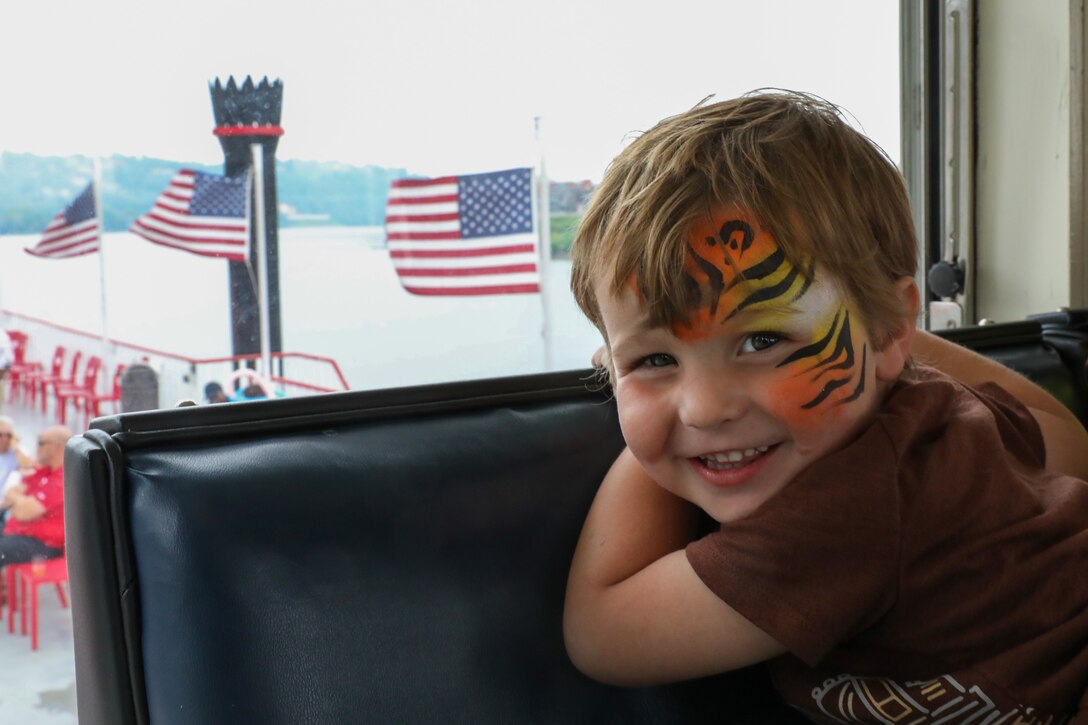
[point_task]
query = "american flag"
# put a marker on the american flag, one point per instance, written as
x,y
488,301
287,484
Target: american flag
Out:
x,y
200,213
464,235
73,232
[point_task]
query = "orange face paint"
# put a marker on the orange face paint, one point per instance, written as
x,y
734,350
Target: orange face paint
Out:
x,y
821,376
736,266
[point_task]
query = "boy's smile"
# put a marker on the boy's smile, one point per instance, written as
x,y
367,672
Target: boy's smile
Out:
x,y
771,373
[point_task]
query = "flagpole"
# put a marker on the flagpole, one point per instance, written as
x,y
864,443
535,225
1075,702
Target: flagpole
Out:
x,y
257,152
544,228
96,179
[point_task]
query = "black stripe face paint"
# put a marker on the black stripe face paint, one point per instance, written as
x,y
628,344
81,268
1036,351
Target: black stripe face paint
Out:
x,y
739,267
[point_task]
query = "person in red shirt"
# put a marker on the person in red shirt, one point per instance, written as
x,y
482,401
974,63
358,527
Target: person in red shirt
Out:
x,y
35,528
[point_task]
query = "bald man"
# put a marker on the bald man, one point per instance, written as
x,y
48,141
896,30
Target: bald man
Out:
x,y
35,528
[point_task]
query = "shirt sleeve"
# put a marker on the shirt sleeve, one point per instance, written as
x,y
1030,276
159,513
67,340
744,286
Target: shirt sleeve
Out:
x,y
818,563
1019,430
14,479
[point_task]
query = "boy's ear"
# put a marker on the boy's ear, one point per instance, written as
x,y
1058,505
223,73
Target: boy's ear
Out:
x,y
891,359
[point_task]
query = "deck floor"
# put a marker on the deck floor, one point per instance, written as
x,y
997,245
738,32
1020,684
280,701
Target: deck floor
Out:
x,y
38,687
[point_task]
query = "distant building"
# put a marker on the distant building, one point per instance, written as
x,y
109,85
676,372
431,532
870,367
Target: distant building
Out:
x,y
291,215
569,197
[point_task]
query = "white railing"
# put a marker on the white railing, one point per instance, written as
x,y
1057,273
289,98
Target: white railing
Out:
x,y
179,377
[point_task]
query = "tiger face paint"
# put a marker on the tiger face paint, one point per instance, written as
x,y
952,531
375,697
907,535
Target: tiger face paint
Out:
x,y
736,267
740,269
772,371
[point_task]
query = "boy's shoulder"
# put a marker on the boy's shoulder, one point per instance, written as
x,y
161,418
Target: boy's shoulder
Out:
x,y
930,412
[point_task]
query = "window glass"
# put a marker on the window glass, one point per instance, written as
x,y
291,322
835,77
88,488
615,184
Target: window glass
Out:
x,y
371,92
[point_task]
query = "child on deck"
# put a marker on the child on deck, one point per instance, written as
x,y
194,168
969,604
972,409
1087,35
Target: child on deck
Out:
x,y
903,528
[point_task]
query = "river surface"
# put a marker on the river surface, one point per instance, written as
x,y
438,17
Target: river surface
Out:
x,y
340,298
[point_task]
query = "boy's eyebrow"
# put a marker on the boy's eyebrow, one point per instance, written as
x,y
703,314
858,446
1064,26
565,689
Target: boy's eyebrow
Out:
x,y
642,327
769,307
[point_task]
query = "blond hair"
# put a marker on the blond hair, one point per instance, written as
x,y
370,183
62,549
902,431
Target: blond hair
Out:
x,y
790,161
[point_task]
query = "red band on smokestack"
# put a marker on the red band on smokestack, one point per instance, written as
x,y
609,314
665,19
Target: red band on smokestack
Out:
x,y
248,131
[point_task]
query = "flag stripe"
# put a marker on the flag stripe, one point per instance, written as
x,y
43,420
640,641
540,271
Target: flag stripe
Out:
x,y
422,236
409,230
203,214
508,289
203,247
457,253
464,235
62,255
464,271
458,282
417,218
413,245
420,199
208,224
46,249
180,241
73,232
57,230
417,183
491,260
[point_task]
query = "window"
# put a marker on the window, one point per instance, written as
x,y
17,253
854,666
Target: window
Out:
x,y
373,91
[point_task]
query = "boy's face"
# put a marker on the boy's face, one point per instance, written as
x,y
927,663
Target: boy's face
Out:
x,y
773,372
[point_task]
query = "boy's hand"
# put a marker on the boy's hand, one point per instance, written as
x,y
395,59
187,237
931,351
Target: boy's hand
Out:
x,y
636,613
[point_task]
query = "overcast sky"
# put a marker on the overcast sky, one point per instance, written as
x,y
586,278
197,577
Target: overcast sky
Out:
x,y
436,86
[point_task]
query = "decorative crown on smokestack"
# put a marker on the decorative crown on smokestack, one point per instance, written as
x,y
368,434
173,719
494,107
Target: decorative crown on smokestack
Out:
x,y
249,110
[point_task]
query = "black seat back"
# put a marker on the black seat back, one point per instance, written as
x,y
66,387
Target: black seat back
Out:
x,y
397,556
388,556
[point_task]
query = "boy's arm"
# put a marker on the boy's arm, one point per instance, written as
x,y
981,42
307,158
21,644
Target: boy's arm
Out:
x,y
636,613
1065,438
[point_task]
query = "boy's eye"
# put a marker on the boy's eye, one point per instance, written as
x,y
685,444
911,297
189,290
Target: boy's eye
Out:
x,y
657,360
760,341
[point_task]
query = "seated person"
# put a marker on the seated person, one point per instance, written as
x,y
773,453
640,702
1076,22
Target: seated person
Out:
x,y
213,393
253,391
35,527
12,457
901,525
14,462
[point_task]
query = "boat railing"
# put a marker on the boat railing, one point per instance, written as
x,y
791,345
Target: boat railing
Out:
x,y
181,377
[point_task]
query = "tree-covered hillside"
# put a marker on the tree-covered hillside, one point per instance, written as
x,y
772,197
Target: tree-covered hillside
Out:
x,y
34,188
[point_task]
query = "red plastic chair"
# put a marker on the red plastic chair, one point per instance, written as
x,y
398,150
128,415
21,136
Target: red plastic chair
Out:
x,y
92,403
31,576
64,392
47,381
12,586
16,377
34,379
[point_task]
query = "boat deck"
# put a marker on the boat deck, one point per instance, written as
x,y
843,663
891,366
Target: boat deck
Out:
x,y
38,687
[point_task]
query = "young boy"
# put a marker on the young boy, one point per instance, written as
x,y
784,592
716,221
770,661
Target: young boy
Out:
x,y
903,542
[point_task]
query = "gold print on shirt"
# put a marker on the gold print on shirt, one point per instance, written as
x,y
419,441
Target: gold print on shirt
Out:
x,y
849,699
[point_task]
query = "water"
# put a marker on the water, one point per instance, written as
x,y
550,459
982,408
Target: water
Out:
x,y
340,298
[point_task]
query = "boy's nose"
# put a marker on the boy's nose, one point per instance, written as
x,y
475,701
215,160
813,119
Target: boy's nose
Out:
x,y
709,401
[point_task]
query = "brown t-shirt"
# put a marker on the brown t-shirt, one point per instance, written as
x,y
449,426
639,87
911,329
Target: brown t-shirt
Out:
x,y
931,569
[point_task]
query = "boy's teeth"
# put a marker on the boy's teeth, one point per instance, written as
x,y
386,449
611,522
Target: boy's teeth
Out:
x,y
733,457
